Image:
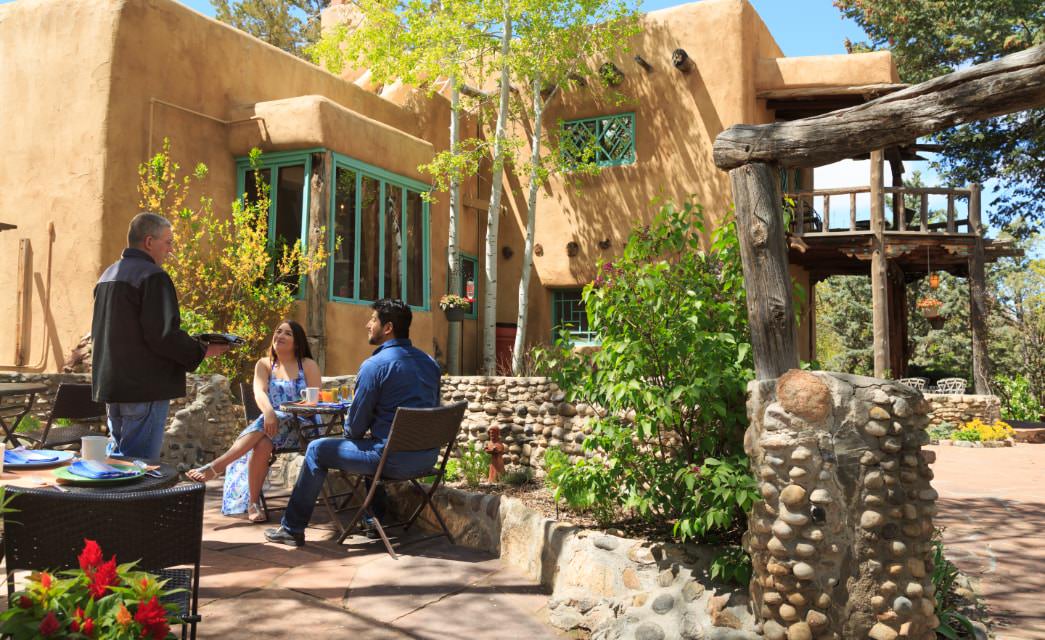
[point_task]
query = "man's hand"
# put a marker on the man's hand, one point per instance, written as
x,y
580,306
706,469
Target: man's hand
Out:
x,y
215,349
271,424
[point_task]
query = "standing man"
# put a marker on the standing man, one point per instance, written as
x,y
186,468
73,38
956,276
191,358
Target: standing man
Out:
x,y
398,374
140,353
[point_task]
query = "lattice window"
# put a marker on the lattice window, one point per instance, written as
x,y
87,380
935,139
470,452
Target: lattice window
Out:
x,y
607,140
568,312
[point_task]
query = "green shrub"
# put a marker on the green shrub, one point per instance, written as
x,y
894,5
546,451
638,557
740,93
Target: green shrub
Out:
x,y
670,380
28,424
944,576
942,431
966,435
475,465
518,476
732,566
452,473
580,486
1018,401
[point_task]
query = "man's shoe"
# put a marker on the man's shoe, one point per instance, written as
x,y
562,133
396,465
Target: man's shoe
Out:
x,y
369,530
282,536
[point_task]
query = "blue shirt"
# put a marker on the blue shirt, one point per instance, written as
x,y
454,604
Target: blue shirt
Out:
x,y
396,375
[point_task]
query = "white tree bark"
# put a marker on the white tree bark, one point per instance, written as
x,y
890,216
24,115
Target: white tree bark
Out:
x,y
531,216
453,338
494,210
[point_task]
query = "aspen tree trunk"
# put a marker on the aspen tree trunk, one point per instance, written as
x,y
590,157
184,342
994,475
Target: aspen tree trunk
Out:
x,y
531,215
494,210
453,338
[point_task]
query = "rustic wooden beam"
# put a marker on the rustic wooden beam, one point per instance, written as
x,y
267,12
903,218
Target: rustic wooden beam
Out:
x,y
879,269
1013,83
978,298
760,227
897,321
316,293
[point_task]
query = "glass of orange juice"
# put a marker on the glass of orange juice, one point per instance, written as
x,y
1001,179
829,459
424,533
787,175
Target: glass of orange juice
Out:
x,y
326,395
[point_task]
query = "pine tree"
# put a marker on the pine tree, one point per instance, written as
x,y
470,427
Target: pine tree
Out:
x,y
291,25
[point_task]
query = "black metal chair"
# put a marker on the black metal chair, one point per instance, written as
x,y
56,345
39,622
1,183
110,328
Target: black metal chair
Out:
x,y
71,402
412,430
162,530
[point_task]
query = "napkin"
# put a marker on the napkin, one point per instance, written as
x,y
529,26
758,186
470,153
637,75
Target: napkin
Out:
x,y
22,455
334,405
98,470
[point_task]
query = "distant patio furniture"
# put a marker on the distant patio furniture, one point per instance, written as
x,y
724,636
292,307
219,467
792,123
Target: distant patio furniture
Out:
x,y
71,402
951,386
914,383
412,430
16,400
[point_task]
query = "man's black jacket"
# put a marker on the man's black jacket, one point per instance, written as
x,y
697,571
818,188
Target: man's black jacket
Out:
x,y
140,353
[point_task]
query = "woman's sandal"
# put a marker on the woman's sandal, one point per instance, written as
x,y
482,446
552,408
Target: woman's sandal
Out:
x,y
202,474
255,513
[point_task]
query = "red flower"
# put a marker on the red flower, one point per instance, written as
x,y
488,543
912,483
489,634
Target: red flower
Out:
x,y
103,578
87,628
74,626
25,602
45,581
153,618
49,624
91,556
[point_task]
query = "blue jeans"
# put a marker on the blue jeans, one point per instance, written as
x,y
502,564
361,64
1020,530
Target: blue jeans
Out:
x,y
351,456
136,428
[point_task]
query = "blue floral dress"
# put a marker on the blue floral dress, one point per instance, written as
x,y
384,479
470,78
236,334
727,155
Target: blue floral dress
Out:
x,y
236,494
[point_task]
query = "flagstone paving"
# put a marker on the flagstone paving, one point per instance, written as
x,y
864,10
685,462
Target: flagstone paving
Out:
x,y
992,509
250,588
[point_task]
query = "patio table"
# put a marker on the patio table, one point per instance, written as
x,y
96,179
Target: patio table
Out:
x,y
16,400
13,480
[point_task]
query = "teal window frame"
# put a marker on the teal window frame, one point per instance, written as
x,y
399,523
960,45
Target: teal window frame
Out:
x,y
463,257
385,179
601,158
580,337
274,162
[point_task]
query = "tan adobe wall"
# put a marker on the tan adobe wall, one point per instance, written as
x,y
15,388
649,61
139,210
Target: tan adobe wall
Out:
x,y
54,82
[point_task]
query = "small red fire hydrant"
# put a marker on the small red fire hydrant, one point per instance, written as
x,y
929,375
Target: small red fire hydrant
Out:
x,y
496,450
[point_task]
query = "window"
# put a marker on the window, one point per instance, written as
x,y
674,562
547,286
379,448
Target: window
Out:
x,y
568,312
286,175
469,273
381,221
608,141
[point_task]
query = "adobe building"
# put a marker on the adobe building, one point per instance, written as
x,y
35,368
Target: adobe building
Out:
x,y
90,88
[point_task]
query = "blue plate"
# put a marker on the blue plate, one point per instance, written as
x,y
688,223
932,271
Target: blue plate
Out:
x,y
63,457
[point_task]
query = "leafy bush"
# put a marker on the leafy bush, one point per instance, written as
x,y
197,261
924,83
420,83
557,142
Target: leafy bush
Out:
x,y
581,487
669,379
732,566
944,576
980,431
475,465
517,476
1018,401
942,431
28,424
228,275
452,473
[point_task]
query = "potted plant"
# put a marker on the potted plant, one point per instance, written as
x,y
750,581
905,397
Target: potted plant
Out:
x,y
454,306
930,308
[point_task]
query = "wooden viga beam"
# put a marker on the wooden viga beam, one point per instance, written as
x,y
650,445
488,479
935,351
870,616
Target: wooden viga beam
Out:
x,y
1006,85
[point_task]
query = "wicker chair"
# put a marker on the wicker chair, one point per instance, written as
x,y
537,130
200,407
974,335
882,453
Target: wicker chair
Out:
x,y
160,529
412,430
71,402
952,386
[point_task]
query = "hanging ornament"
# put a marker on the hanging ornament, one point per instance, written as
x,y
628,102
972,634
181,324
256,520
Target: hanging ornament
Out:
x,y
934,281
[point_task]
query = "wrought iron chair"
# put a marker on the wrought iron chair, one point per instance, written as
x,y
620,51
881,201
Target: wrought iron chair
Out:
x,y
162,530
71,402
914,383
951,386
412,430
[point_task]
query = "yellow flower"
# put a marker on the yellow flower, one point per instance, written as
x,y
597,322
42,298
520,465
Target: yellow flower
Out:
x,y
123,616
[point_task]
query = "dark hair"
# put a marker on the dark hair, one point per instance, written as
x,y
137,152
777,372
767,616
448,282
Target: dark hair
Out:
x,y
145,224
301,348
397,312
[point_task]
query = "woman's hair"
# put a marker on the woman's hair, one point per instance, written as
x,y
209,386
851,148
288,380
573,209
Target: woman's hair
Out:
x,y
301,349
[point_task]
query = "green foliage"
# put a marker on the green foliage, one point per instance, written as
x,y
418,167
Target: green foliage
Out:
x,y
28,424
942,431
1018,401
475,465
929,38
582,486
228,276
966,435
732,566
291,25
517,476
944,576
452,473
669,379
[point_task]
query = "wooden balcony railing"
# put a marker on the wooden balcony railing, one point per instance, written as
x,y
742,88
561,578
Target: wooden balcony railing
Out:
x,y
813,212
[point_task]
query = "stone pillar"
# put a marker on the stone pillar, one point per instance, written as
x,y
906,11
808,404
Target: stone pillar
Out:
x,y
840,542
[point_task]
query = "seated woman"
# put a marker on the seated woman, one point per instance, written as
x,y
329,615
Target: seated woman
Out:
x,y
279,378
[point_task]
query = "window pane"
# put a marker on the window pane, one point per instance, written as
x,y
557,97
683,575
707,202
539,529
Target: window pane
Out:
x,y
393,240
415,257
250,189
369,239
345,231
569,312
290,198
468,268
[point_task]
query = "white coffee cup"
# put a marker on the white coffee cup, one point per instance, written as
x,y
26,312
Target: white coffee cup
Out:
x,y
310,395
93,448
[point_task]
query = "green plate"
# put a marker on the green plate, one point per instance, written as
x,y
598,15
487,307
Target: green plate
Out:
x,y
66,477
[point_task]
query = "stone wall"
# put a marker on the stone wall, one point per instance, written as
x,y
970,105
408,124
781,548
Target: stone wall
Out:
x,y
840,542
959,409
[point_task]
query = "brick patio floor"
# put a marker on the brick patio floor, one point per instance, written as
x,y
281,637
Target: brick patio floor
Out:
x,y
992,504
251,589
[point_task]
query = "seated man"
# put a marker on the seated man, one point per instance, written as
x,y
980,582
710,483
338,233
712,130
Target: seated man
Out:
x,y
396,375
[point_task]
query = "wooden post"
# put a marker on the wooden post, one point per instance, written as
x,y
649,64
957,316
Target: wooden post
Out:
x,y
763,249
978,298
879,269
23,323
897,321
318,217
